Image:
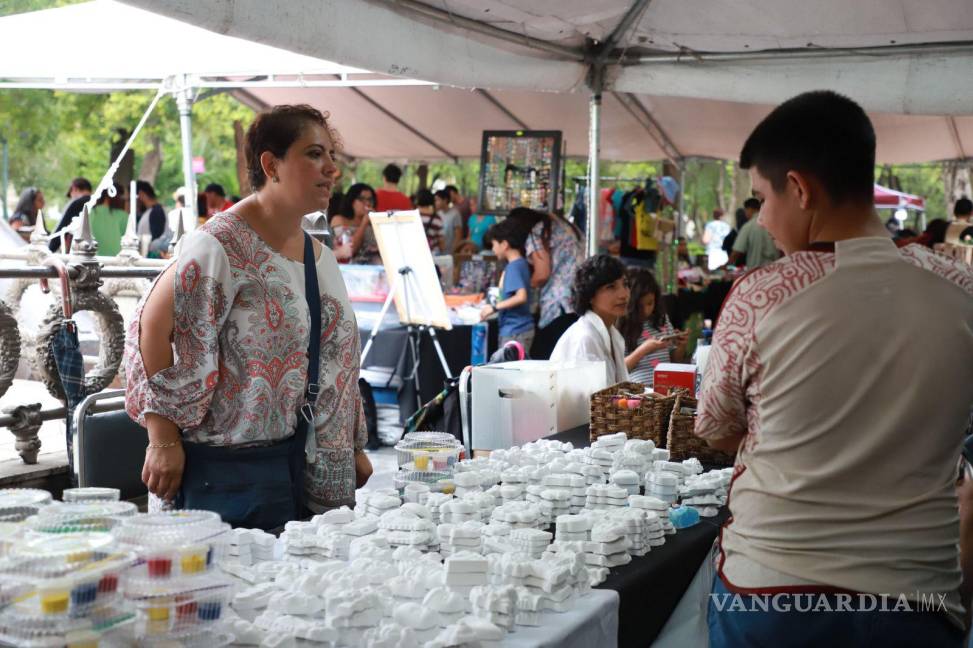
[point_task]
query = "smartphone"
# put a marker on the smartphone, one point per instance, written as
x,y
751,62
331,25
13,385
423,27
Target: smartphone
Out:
x,y
671,336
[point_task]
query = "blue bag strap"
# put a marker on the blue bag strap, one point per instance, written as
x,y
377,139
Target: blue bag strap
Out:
x,y
313,296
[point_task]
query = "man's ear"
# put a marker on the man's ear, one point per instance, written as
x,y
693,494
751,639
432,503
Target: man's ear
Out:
x,y
801,189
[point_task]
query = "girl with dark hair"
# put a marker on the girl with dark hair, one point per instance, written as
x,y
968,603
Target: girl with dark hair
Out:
x,y
28,207
353,233
600,296
554,249
649,336
217,354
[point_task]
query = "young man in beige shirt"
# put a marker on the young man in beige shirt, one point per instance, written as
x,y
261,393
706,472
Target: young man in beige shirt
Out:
x,y
841,376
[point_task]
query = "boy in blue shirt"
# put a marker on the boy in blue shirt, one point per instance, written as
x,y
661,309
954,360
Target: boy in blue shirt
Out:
x,y
513,307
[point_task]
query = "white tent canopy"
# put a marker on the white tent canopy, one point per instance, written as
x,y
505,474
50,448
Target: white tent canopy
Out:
x,y
629,79
120,46
900,56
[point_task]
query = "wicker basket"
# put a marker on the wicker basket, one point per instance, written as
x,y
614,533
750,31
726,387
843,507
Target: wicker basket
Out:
x,y
649,420
683,443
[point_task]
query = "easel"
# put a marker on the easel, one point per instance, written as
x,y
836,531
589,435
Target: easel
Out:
x,y
406,279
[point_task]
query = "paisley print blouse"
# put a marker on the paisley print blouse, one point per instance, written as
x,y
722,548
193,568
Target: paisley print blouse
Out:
x,y
240,355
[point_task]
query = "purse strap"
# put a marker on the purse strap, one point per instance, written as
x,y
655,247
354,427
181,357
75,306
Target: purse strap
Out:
x,y
313,296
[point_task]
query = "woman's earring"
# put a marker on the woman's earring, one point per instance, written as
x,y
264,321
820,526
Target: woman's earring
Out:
x,y
276,179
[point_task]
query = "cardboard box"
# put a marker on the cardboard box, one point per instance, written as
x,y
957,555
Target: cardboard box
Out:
x,y
670,374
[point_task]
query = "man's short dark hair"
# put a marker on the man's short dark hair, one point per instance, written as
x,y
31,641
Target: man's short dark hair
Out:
x,y
216,188
443,194
424,198
451,188
81,184
145,187
592,274
823,134
963,207
751,203
392,173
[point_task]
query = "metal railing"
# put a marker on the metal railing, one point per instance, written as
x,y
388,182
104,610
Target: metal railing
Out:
x,y
89,281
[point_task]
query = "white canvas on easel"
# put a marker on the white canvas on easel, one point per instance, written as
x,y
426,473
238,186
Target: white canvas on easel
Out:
x,y
402,243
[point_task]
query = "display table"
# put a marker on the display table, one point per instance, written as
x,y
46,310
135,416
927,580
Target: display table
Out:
x,y
592,622
652,585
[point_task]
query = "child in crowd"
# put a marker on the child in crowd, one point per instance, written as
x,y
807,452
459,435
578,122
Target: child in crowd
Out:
x,y
649,336
513,307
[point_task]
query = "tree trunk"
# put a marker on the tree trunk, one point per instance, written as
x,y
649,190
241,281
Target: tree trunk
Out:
x,y
126,166
956,183
423,174
721,187
152,161
241,158
741,187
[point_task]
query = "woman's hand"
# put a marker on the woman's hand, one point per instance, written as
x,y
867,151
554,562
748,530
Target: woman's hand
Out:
x,y
162,470
363,468
652,345
486,312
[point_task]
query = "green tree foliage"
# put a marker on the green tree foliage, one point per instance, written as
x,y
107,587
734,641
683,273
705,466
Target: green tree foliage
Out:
x,y
54,136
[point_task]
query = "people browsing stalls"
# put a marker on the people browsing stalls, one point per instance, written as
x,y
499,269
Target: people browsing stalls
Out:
x,y
451,219
714,234
108,222
216,200
152,222
353,234
513,307
239,421
600,293
554,250
649,336
389,198
432,223
753,246
78,193
28,208
843,483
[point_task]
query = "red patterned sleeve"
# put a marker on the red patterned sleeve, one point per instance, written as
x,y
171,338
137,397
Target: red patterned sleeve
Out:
x,y
722,409
203,296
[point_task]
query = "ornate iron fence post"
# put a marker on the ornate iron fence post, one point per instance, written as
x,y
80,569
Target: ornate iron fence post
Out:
x,y
26,429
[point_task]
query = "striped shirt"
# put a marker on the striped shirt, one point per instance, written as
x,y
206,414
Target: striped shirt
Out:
x,y
645,369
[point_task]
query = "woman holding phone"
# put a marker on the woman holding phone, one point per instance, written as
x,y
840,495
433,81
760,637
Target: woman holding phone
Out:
x,y
649,336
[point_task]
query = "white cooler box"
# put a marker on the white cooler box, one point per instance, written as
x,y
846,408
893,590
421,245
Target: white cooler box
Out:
x,y
517,402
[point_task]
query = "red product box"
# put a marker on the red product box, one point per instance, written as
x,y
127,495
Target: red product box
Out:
x,y
670,374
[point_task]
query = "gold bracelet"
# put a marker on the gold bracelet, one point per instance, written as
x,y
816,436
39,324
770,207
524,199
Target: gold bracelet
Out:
x,y
159,446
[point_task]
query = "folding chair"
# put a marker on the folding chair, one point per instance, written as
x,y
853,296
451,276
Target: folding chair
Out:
x,y
110,446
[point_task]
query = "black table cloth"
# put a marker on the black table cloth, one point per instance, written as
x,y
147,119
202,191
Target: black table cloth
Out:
x,y
651,586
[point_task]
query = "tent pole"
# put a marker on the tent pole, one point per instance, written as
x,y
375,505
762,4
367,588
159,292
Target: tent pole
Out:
x,y
184,102
594,147
682,197
6,176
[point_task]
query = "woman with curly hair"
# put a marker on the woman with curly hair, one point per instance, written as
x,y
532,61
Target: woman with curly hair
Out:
x,y
600,296
649,336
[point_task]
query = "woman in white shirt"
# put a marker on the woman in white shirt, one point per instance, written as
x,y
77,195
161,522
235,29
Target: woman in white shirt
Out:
x,y
600,294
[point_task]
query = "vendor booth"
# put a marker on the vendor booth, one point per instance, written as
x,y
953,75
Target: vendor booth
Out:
x,y
590,518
